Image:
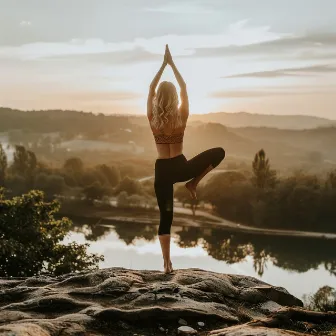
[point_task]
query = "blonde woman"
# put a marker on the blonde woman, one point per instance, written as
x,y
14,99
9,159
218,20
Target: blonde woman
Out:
x,y
168,121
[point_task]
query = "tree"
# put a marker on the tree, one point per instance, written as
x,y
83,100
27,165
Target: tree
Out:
x,y
130,186
122,200
183,195
73,165
24,162
323,300
263,176
112,174
50,184
94,191
31,239
3,166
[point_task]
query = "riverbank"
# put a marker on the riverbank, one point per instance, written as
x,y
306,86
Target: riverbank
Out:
x,y
183,217
119,301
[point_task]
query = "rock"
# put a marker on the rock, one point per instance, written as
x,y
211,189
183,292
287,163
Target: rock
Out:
x,y
270,306
22,329
253,331
182,322
185,330
94,301
124,325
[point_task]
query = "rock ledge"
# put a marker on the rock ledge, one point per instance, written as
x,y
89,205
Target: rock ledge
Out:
x,y
118,301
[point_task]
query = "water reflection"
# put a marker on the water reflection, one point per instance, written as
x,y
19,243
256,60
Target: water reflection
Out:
x,y
292,254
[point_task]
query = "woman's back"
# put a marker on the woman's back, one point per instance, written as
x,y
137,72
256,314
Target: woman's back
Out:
x,y
169,140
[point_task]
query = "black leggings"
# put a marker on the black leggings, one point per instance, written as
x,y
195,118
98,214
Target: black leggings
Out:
x,y
179,169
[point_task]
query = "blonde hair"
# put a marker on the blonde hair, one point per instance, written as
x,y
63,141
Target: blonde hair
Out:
x,y
165,106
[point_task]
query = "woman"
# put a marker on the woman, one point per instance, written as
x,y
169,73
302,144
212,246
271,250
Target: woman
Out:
x,y
168,121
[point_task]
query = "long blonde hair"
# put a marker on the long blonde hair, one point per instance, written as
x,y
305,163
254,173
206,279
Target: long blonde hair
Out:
x,y
165,106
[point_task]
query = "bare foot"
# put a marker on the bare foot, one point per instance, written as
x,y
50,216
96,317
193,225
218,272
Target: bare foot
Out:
x,y
171,267
192,189
168,268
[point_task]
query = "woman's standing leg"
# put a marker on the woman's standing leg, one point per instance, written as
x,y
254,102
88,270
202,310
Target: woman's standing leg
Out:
x,y
200,165
165,197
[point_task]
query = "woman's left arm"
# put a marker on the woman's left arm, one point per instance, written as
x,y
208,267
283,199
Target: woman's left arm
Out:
x,y
152,88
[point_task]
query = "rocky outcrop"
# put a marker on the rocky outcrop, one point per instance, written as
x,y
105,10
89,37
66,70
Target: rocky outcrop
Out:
x,y
119,301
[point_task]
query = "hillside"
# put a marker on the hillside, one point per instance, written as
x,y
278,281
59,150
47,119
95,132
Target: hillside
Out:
x,y
56,134
319,140
243,119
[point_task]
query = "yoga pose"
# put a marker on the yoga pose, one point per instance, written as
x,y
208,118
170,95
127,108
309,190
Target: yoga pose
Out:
x,y
168,121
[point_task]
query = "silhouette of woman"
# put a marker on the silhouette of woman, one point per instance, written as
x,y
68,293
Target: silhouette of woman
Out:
x,y
168,121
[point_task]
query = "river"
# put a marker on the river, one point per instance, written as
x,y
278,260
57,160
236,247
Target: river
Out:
x,y
301,265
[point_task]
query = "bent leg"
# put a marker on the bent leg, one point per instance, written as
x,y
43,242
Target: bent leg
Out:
x,y
201,163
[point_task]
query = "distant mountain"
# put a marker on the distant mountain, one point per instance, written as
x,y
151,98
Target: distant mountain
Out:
x,y
320,139
243,119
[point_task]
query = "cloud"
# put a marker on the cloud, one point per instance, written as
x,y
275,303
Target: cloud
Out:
x,y
119,57
100,96
238,34
181,8
301,71
265,93
288,44
25,23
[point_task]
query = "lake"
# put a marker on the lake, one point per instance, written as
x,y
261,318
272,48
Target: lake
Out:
x,y
301,265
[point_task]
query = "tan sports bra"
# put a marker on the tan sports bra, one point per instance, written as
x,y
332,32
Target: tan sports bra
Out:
x,y
168,139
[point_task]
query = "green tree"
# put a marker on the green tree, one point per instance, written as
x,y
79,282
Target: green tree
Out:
x,y
130,186
95,191
323,300
112,174
30,239
263,175
183,195
74,164
122,200
24,164
52,185
3,166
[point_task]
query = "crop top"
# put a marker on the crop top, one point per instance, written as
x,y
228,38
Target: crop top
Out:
x,y
168,139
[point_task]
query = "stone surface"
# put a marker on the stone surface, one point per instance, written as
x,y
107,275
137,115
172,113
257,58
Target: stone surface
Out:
x,y
185,330
130,302
254,331
270,306
182,322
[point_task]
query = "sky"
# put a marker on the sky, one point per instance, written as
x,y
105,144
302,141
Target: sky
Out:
x,y
259,56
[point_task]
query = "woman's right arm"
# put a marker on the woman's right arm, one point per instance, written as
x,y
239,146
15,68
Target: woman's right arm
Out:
x,y
152,88
183,86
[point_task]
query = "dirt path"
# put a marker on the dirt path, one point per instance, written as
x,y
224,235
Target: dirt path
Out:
x,y
236,227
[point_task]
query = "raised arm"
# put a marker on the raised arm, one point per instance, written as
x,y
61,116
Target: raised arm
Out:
x,y
183,86
152,88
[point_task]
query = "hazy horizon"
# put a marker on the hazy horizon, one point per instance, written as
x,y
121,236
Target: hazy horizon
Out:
x,y
265,58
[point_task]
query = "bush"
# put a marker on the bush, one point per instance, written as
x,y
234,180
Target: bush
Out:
x,y
323,300
30,239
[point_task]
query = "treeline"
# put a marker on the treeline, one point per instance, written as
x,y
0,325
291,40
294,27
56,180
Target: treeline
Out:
x,y
68,122
257,197
261,198
72,181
